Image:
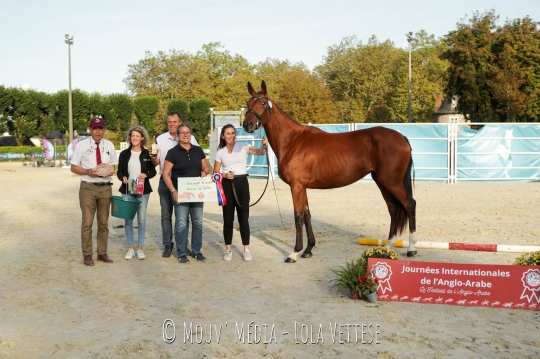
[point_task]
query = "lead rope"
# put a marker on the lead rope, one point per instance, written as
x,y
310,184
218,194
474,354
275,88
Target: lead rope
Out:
x,y
275,193
273,184
267,177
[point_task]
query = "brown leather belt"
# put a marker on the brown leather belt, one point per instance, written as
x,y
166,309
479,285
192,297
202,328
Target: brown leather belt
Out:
x,y
98,183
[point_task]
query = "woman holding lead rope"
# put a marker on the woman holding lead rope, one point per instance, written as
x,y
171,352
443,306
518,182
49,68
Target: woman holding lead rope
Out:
x,y
231,162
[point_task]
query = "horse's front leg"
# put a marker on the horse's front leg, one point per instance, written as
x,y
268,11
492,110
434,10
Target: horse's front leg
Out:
x,y
299,203
309,231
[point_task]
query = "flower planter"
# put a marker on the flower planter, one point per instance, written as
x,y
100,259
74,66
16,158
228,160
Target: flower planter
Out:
x,y
354,294
372,297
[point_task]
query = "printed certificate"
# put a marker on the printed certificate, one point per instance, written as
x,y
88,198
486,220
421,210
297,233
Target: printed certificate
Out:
x,y
196,189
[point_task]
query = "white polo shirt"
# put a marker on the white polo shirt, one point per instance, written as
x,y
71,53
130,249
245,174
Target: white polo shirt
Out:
x,y
235,161
84,156
165,142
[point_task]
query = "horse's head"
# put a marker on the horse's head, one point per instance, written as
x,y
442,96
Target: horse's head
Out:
x,y
259,108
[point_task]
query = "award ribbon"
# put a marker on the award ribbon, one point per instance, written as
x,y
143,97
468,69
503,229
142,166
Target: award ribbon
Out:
x,y
382,272
531,284
217,178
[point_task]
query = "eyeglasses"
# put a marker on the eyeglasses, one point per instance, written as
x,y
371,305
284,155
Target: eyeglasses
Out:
x,y
185,133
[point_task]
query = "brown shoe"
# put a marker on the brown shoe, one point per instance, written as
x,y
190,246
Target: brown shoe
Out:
x,y
104,258
88,261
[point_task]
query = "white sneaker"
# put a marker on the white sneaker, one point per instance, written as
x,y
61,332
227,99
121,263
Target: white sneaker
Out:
x,y
227,256
247,255
130,253
140,254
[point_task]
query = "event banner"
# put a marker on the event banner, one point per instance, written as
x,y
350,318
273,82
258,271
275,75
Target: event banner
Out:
x,y
196,189
495,286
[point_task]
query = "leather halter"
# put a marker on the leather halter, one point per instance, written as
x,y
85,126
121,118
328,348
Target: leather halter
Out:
x,y
261,116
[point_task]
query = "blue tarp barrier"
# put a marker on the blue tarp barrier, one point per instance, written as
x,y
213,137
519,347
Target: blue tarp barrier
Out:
x,y
495,152
505,152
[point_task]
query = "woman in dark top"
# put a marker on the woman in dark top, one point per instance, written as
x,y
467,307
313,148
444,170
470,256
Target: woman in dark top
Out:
x,y
135,164
186,160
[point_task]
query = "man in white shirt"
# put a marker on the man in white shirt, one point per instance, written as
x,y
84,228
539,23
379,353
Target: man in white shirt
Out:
x,y
165,142
95,191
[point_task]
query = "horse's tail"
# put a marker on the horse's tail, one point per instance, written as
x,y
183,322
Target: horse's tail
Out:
x,y
400,217
408,182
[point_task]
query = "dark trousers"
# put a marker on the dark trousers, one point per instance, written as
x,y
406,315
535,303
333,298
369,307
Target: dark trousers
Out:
x,y
241,185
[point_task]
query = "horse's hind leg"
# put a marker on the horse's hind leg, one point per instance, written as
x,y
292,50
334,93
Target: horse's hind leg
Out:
x,y
389,199
309,231
411,251
299,196
407,211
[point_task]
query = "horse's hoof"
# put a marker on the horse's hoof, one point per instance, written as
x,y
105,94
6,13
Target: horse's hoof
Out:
x,y
411,253
289,260
306,255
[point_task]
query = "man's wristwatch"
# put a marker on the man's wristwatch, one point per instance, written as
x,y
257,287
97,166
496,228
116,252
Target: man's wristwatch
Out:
x,y
173,191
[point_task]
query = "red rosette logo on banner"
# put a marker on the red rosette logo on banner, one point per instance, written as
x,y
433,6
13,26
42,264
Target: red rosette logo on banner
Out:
x,y
382,272
531,285
217,178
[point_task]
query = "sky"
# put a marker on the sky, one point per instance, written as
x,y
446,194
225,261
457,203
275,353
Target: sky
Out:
x,y
110,35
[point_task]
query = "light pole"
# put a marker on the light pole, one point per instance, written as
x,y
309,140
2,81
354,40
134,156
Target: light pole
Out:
x,y
409,39
69,42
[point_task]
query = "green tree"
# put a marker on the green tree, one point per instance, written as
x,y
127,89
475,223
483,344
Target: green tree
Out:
x,y
161,118
98,106
360,76
5,104
273,71
471,65
200,118
146,109
306,98
228,75
515,82
379,114
176,74
181,106
80,105
212,73
119,114
427,75
495,69
28,110
301,93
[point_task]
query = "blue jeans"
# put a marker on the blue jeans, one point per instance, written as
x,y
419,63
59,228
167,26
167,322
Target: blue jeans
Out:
x,y
141,219
183,212
166,202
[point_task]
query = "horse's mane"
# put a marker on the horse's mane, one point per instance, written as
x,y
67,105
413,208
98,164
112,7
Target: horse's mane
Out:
x,y
285,114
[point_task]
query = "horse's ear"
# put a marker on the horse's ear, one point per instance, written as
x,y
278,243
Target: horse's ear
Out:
x,y
251,90
263,88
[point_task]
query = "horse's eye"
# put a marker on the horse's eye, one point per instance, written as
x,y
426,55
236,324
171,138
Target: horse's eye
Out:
x,y
263,103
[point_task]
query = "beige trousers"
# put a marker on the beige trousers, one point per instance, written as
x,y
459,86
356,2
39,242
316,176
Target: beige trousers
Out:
x,y
94,199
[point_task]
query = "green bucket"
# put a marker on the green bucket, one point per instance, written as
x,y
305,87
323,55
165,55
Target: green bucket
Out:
x,y
124,207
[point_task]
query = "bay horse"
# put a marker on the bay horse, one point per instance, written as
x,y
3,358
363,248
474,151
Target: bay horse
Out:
x,y
311,158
